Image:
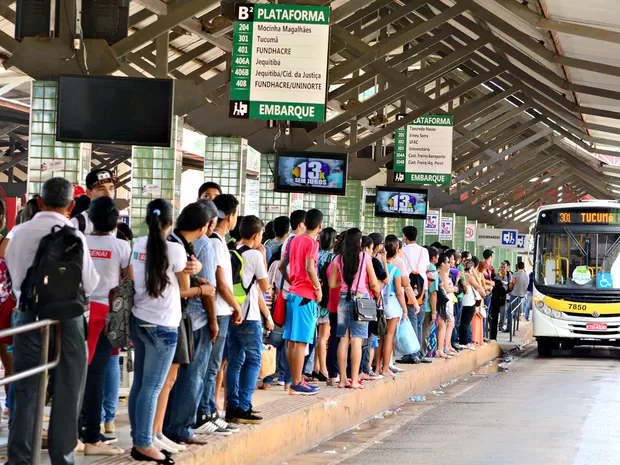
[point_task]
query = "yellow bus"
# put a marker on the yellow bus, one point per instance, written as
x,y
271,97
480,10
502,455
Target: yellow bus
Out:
x,y
576,295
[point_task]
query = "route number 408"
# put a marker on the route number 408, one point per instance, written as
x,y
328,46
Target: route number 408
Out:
x,y
577,307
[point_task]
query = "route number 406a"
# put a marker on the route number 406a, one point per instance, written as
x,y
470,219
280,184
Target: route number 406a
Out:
x,y
577,307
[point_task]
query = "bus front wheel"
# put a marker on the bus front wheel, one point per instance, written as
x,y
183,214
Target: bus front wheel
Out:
x,y
547,345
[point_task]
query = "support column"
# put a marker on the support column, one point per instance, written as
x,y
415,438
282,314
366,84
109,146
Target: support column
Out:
x,y
350,208
272,204
235,166
48,158
156,173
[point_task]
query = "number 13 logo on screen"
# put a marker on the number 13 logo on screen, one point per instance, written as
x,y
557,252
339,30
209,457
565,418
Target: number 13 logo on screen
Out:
x,y
401,202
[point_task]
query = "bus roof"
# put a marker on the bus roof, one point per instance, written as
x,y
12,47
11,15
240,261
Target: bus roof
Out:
x,y
586,204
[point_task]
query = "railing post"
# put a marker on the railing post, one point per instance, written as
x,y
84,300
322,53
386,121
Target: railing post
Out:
x,y
41,391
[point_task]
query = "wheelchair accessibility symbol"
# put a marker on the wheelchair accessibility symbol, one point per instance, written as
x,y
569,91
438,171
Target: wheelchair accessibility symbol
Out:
x,y
604,281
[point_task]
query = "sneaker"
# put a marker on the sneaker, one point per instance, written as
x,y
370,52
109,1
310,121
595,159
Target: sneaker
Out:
x,y
303,389
280,381
248,418
202,419
210,427
425,360
223,424
157,443
171,443
107,439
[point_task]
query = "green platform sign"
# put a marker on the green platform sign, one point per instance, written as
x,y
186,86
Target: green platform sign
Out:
x,y
279,62
423,151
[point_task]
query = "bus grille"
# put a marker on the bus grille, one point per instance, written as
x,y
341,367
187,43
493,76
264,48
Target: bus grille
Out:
x,y
588,315
588,299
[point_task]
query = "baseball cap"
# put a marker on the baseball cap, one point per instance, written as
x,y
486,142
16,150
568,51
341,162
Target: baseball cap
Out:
x,y
97,177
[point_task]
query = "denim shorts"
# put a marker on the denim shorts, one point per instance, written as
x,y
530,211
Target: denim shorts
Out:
x,y
346,319
301,316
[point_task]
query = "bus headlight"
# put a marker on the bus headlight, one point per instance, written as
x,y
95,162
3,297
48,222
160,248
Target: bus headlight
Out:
x,y
540,305
549,311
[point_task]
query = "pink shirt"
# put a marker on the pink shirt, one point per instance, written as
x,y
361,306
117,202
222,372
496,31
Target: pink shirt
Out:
x,y
365,259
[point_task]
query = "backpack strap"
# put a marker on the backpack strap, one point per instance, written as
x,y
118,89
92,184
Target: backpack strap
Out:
x,y
81,222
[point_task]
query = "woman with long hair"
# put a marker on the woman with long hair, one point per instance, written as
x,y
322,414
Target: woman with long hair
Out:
x,y
327,242
445,323
395,307
191,224
353,273
478,322
158,268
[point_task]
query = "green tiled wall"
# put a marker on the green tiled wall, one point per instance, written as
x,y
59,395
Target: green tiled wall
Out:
x,y
223,163
272,204
459,232
43,147
325,203
156,166
349,208
371,222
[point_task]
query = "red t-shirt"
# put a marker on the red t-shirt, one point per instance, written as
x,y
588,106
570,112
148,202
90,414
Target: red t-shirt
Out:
x,y
302,248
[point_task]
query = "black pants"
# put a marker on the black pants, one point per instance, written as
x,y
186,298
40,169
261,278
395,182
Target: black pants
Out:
x,y
332,347
493,320
67,388
466,317
93,394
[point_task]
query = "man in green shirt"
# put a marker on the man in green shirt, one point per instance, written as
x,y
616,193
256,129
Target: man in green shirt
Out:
x,y
433,287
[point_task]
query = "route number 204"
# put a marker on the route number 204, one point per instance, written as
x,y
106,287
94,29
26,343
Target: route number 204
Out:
x,y
577,307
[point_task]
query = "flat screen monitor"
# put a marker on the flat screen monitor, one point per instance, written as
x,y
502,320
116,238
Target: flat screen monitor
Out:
x,y
399,202
311,172
115,110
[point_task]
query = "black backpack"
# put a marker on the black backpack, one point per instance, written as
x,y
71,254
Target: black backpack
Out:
x,y
53,284
325,280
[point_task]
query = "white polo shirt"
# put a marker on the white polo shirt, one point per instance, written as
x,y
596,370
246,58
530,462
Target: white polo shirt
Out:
x,y
24,243
222,260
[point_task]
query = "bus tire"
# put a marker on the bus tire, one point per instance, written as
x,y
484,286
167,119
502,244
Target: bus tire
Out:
x,y
545,347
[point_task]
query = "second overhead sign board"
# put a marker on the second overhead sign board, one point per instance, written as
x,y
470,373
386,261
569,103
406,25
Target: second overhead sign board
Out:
x,y
279,62
423,151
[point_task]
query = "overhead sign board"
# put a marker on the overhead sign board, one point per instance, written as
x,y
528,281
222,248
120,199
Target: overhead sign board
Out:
x,y
497,237
470,232
431,226
523,241
279,62
423,151
446,229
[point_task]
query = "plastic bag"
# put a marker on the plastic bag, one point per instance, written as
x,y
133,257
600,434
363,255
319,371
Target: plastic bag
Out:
x,y
406,342
268,362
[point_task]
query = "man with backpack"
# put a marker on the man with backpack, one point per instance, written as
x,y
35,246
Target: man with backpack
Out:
x,y
227,310
52,275
245,341
282,229
99,183
417,262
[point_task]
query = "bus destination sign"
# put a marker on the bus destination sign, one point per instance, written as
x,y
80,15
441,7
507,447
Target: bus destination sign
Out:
x,y
595,216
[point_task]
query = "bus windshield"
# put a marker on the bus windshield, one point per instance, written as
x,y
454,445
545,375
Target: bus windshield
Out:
x,y
572,260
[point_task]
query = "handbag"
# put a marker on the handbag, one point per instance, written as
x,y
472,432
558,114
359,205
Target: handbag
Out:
x,y
365,307
117,321
279,307
379,327
268,362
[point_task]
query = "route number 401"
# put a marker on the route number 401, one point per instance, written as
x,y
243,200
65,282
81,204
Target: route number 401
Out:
x,y
577,307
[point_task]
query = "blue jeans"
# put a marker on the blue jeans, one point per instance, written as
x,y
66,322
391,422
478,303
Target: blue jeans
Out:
x,y
458,311
245,344
110,390
282,368
207,402
417,321
154,350
487,303
187,390
528,305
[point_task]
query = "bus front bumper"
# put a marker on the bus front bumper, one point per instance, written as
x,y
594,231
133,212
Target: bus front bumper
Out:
x,y
571,327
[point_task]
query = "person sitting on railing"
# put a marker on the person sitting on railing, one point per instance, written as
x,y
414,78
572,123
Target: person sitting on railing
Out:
x,y
56,201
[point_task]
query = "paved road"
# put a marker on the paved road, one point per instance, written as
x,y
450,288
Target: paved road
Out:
x,y
564,411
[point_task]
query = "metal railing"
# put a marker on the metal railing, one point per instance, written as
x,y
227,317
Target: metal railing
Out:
x,y
44,366
516,316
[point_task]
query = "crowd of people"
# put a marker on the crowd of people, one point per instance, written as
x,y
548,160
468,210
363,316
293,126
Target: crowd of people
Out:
x,y
204,292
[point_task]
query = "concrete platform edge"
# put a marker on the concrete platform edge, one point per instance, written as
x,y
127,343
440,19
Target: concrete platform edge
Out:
x,y
299,430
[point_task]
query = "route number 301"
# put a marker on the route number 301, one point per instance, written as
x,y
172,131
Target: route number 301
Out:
x,y
577,307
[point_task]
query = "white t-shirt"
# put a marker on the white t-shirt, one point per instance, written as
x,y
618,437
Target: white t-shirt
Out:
x,y
166,309
222,260
253,265
417,259
89,228
109,255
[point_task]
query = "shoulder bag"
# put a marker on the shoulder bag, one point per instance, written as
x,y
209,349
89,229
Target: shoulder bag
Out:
x,y
365,307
